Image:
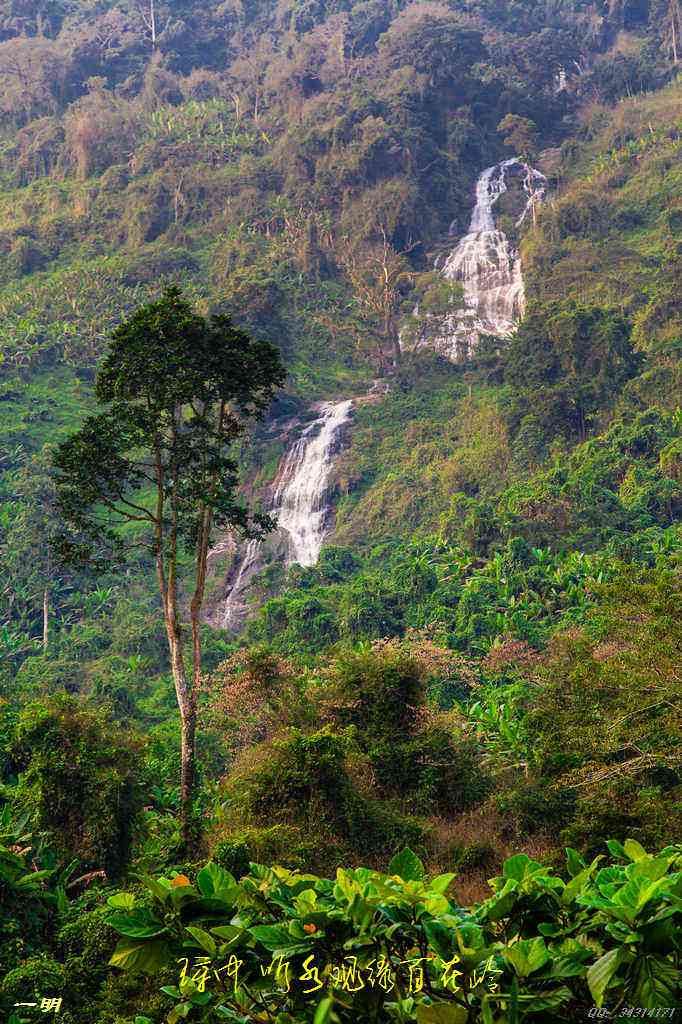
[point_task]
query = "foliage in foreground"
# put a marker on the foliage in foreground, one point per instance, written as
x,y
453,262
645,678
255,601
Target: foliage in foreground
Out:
x,y
289,947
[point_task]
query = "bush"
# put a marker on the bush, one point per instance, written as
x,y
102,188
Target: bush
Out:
x,y
78,780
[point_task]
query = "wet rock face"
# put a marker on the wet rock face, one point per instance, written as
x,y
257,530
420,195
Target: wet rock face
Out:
x,y
488,265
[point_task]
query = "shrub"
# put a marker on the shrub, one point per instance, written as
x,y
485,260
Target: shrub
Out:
x,y
77,779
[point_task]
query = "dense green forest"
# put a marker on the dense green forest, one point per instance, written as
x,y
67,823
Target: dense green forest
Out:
x,y
432,774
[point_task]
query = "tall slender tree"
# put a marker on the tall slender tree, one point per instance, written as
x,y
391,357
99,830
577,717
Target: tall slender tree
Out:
x,y
178,390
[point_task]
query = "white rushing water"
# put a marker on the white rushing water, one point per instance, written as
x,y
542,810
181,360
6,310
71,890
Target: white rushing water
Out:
x,y
299,503
488,266
300,499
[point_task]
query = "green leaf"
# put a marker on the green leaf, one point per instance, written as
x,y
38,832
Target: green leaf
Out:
x,y
323,1012
214,881
520,866
122,901
407,865
548,1000
272,936
441,883
578,883
634,850
442,1013
140,956
656,982
574,861
436,905
616,849
440,938
136,924
29,881
204,940
227,931
143,1020
179,1012
526,956
600,973
160,890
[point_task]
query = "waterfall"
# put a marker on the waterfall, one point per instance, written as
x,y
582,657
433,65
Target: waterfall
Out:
x,y
299,502
488,267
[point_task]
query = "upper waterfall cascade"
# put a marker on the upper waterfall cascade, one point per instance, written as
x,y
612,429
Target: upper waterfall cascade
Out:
x,y
488,266
299,503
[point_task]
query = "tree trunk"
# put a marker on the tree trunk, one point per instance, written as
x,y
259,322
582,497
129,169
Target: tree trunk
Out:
x,y
166,558
392,335
188,718
46,617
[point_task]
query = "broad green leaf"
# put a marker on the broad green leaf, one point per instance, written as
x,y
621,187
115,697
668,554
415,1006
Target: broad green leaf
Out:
x,y
660,934
527,956
520,866
600,973
121,901
276,938
656,982
652,868
574,861
227,931
548,1000
441,883
156,887
146,957
214,881
29,881
407,866
578,883
136,924
634,850
204,940
440,938
499,905
436,905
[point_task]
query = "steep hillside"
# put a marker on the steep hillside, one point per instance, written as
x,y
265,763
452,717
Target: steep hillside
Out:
x,y
460,226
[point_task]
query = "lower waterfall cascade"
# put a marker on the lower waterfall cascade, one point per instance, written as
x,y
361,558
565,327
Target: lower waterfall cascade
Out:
x,y
298,502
